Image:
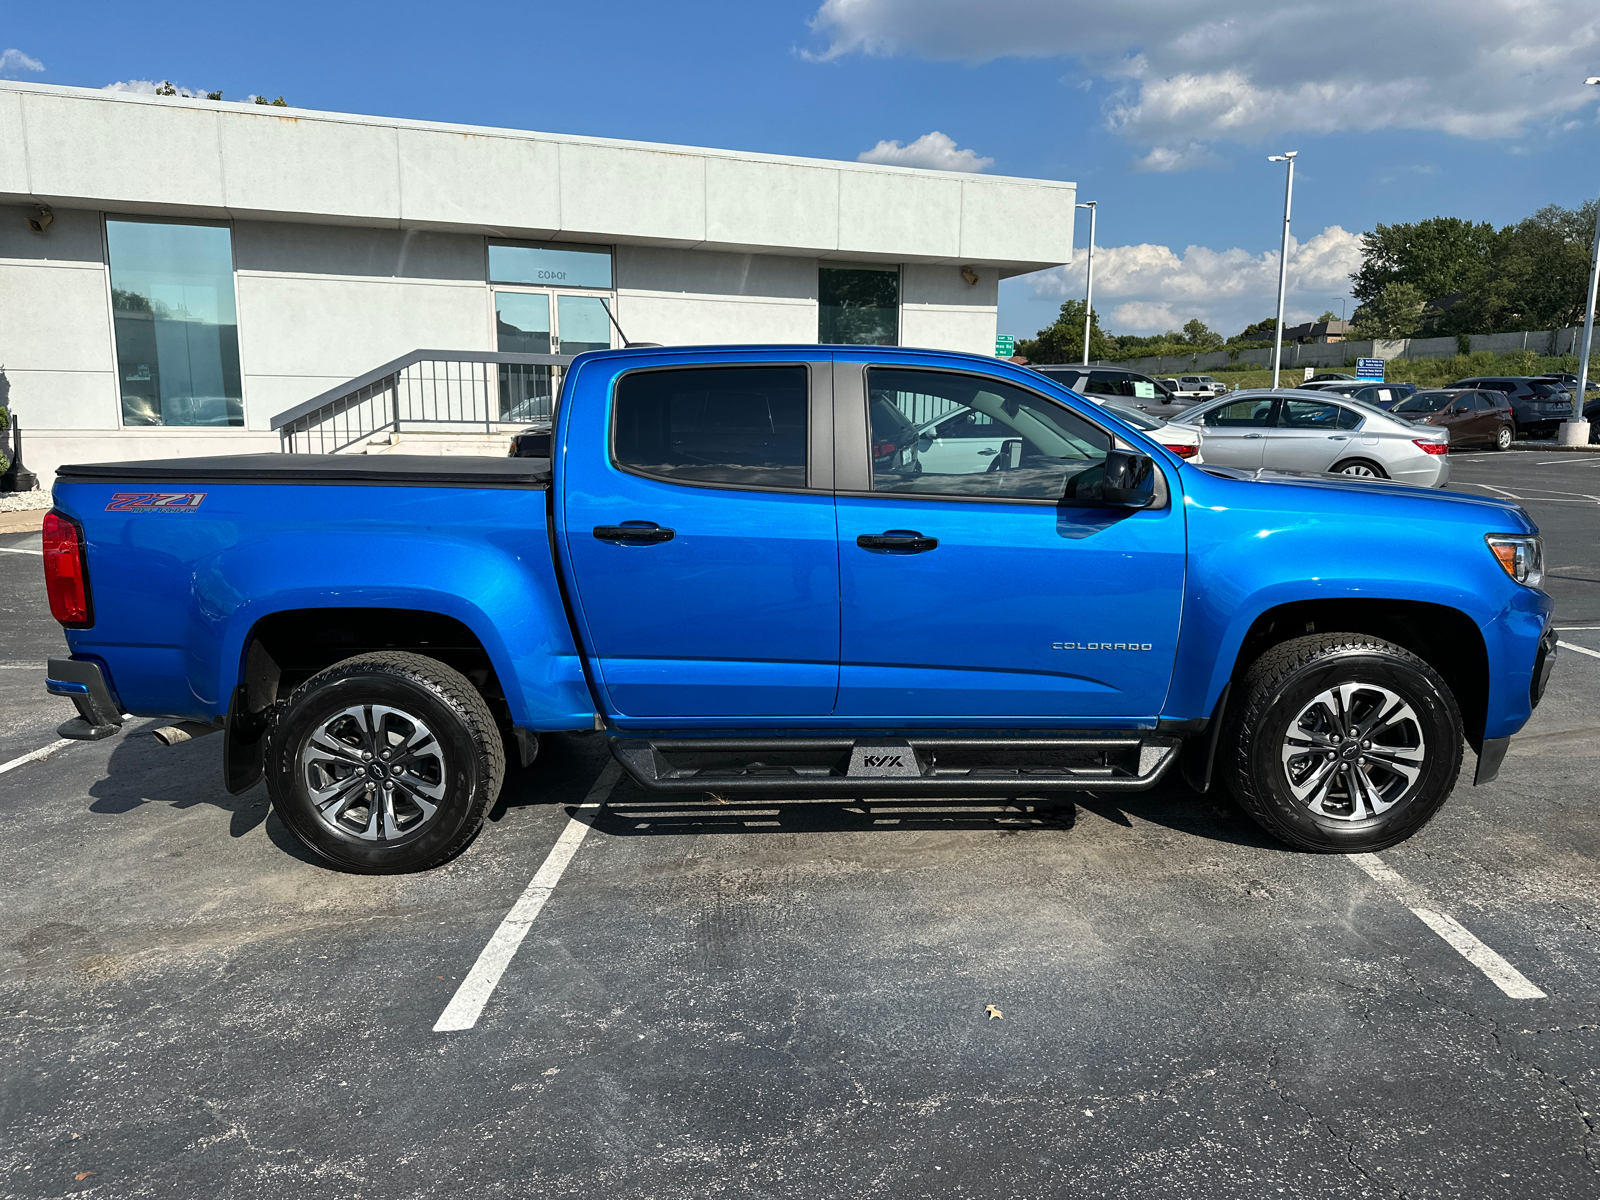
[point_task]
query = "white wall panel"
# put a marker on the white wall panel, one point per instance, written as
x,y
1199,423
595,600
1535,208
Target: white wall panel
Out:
x,y
653,194
299,164
113,151
681,320
54,318
512,183
771,204
63,400
13,146
1003,220
895,215
971,330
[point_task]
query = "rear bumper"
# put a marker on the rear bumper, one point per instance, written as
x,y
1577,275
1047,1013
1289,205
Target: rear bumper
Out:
x,y
84,682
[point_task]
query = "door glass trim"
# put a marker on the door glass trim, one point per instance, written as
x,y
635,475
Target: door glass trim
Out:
x,y
813,369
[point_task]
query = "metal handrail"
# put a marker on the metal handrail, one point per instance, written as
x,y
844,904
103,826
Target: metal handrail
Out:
x,y
426,388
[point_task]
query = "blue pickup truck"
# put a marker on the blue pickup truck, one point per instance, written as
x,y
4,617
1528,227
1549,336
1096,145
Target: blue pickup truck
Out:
x,y
754,570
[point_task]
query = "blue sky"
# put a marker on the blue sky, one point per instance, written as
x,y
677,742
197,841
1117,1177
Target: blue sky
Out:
x,y
1161,110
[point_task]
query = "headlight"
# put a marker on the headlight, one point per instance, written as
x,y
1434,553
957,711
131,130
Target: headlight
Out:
x,y
1521,555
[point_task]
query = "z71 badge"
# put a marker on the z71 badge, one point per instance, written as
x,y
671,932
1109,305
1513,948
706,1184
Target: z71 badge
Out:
x,y
155,501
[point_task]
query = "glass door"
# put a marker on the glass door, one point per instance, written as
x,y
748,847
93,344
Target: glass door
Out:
x,y
583,323
522,326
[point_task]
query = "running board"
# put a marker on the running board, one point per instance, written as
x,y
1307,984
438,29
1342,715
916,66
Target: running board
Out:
x,y
914,766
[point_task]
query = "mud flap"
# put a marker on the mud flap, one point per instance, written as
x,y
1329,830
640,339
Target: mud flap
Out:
x,y
1490,756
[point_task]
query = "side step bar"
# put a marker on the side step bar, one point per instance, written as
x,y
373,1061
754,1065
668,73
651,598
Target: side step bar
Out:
x,y
913,766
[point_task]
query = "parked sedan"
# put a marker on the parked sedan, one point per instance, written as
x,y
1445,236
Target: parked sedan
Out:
x,y
1379,395
1125,386
1293,430
1473,417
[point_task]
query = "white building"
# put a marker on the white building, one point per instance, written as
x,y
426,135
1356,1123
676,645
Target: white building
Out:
x,y
205,266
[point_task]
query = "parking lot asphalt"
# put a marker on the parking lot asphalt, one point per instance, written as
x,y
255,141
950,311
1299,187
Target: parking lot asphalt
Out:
x,y
789,999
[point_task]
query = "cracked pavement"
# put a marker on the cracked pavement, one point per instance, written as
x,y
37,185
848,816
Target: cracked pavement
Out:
x,y
788,999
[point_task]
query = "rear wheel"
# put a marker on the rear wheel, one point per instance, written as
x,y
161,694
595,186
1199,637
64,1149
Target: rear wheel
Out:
x,y
1503,437
385,763
1360,468
1342,743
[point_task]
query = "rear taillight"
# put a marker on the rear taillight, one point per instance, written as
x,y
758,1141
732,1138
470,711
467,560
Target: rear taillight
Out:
x,y
883,449
1432,447
1183,451
66,575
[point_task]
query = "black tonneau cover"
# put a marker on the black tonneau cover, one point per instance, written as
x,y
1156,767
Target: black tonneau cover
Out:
x,y
387,470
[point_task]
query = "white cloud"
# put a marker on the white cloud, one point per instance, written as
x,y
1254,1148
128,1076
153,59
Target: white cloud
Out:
x,y
1179,158
12,61
1186,71
1150,289
147,87
932,150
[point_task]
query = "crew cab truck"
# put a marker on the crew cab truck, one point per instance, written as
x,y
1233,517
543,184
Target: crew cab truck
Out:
x,y
754,570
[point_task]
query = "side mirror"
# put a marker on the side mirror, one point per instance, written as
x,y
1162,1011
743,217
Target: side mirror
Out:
x,y
1130,479
1126,479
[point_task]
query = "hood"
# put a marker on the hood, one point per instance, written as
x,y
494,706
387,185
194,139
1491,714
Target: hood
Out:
x,y
1374,489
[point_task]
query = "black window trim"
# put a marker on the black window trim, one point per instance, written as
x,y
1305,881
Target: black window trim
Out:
x,y
855,439
819,420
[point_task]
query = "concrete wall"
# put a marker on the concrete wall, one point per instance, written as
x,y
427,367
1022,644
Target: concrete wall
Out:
x,y
82,148
1546,343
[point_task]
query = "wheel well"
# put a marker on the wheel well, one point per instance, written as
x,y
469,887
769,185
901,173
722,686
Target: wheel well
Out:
x,y
287,648
1445,638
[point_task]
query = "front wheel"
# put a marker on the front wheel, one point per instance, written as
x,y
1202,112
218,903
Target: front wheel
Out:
x,y
1503,438
385,763
1342,743
1359,468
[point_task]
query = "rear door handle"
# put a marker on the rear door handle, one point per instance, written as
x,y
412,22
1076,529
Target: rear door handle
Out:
x,y
898,541
1338,437
638,532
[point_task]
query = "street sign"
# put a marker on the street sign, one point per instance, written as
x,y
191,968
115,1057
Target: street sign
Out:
x,y
1369,368
1309,372
1004,346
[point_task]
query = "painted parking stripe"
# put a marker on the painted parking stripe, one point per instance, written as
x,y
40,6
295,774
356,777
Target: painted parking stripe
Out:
x,y
1500,973
1579,649
20,550
466,1006
42,753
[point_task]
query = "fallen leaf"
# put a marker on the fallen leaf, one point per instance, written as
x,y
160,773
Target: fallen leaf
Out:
x,y
993,1012
82,1175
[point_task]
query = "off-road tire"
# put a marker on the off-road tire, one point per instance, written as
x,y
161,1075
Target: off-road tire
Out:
x,y
1343,468
472,758
1280,685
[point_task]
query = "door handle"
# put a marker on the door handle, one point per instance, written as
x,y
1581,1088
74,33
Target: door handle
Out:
x,y
988,450
1338,437
638,532
898,541
1255,435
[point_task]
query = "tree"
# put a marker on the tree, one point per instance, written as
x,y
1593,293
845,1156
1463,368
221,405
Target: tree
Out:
x,y
1327,316
1062,342
280,102
1195,333
1395,313
1441,256
1261,331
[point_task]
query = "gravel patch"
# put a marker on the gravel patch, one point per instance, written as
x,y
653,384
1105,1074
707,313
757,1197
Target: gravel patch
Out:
x,y
24,501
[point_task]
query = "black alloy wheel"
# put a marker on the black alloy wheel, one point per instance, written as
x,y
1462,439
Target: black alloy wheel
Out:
x,y
1342,743
385,763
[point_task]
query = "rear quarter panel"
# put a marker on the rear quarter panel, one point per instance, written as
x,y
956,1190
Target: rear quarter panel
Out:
x,y
176,593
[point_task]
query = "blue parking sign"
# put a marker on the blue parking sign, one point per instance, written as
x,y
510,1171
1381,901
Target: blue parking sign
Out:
x,y
1369,368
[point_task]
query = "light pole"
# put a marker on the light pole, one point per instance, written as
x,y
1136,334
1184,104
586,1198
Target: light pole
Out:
x,y
1283,262
1088,294
1576,431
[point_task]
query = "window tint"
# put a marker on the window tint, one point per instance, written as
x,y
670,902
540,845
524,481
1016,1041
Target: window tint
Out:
x,y
176,328
1476,402
1108,383
1241,414
1014,444
744,425
1348,418
858,306
1308,414
1424,402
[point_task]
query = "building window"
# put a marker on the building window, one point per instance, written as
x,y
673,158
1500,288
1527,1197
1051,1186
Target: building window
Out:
x,y
550,266
176,326
858,306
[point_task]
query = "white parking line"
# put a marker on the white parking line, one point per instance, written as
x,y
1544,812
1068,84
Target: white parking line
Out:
x,y
466,1006
1579,649
43,752
1492,488
20,550
1573,628
1501,973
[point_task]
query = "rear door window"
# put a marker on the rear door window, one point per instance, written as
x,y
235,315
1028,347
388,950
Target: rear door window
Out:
x,y
1308,414
1110,383
730,425
1242,414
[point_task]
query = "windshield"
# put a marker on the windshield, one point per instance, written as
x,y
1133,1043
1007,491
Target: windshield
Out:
x,y
1425,402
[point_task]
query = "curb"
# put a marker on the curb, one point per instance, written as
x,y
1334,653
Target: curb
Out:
x,y
1552,448
25,521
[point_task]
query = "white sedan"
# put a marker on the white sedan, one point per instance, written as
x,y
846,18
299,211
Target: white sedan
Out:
x,y
966,441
